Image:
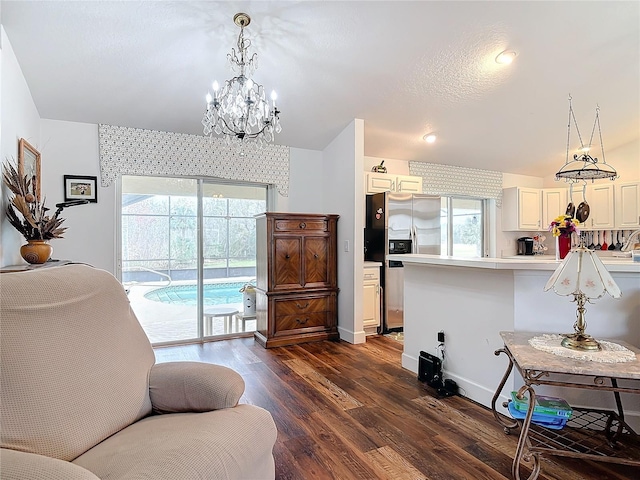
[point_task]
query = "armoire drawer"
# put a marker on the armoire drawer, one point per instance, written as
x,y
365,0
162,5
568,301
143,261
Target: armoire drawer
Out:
x,y
300,306
286,323
290,225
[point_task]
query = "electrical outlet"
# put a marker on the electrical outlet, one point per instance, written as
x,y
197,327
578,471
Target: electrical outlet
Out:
x,y
346,245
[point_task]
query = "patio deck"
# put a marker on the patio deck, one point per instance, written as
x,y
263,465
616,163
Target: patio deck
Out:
x,y
165,322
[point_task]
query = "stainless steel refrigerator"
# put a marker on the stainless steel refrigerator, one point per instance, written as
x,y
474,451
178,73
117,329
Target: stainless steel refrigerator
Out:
x,y
399,223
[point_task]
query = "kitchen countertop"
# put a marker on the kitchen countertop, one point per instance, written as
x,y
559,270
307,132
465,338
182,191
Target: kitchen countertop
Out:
x,y
370,264
613,264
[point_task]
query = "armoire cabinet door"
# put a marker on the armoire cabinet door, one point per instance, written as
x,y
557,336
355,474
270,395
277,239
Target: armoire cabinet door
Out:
x,y
287,262
316,251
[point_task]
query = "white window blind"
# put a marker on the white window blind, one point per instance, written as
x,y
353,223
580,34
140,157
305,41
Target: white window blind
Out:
x,y
133,151
448,180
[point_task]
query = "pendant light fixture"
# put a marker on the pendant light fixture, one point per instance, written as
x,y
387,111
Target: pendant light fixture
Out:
x,y
583,166
238,110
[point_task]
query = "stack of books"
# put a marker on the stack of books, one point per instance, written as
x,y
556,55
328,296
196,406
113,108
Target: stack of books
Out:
x,y
550,412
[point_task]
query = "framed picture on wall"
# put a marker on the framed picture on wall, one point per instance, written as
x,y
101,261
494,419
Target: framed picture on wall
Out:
x,y
29,165
79,187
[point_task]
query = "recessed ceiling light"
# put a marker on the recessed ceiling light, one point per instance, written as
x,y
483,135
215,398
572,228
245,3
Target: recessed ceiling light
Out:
x,y
429,138
506,57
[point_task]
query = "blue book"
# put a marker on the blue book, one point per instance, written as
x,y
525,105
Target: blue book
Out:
x,y
542,419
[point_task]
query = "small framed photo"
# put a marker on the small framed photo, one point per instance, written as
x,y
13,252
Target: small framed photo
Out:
x,y
78,187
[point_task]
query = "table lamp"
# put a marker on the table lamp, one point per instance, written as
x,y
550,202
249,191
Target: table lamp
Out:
x,y
583,275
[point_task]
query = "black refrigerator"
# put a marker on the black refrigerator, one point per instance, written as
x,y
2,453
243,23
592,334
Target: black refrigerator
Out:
x,y
398,224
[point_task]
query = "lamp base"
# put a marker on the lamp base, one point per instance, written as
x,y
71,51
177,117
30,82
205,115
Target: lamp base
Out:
x,y
580,341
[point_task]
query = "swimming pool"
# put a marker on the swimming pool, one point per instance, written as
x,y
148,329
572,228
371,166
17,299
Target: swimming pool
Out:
x,y
214,294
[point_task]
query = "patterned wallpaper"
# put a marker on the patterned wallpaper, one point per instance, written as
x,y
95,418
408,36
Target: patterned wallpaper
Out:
x,y
133,151
451,180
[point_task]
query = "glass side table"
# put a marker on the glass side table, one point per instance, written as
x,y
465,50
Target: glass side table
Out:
x,y
591,434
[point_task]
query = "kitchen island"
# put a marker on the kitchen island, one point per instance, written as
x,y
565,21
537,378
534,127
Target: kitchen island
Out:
x,y
473,300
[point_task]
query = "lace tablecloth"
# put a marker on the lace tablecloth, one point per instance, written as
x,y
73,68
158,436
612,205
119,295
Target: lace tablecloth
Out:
x,y
610,353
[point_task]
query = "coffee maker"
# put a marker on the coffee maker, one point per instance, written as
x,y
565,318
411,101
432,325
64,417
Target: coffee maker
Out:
x,y
525,246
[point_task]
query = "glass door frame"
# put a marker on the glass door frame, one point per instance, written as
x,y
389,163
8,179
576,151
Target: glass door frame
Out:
x,y
200,183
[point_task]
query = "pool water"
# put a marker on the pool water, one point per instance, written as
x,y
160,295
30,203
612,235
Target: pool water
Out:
x,y
214,294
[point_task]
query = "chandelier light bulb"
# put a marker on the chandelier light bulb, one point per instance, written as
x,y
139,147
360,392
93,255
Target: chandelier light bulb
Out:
x,y
429,138
274,97
209,98
216,87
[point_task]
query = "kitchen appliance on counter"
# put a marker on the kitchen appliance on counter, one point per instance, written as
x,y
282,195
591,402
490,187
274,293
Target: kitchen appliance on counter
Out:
x,y
399,224
525,246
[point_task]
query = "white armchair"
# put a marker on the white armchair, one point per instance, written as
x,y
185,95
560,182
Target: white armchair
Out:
x,y
82,398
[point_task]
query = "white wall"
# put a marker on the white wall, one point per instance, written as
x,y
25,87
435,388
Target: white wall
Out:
x,y
342,179
306,192
20,119
71,148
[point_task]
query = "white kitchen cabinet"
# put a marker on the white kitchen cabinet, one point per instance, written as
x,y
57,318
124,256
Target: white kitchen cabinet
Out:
x,y
554,203
408,184
521,209
627,204
387,182
601,206
600,198
371,299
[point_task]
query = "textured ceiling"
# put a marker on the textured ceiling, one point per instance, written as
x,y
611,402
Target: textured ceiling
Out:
x,y
406,68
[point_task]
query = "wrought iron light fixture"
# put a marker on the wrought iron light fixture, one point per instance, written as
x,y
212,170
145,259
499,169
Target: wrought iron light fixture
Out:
x,y
583,275
583,166
239,110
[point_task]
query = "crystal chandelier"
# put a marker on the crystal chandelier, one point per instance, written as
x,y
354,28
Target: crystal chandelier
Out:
x,y
584,166
239,110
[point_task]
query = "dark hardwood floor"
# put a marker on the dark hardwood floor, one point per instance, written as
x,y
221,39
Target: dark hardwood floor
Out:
x,y
352,412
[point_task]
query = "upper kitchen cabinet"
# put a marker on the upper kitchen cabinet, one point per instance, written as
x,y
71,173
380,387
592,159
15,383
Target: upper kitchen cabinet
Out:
x,y
600,198
554,203
627,198
388,182
521,209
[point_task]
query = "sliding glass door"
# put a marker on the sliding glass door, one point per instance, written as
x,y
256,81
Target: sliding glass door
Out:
x,y
188,249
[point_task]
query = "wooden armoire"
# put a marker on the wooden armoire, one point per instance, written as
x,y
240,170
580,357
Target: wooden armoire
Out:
x,y
296,285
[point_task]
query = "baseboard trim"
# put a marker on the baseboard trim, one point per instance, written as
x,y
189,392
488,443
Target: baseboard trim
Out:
x,y
351,336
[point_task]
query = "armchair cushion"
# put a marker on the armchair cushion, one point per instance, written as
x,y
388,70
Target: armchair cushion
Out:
x,y
30,466
193,387
233,443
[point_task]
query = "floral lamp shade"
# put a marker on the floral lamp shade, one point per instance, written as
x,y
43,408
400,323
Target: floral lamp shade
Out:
x,y
584,276
583,272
